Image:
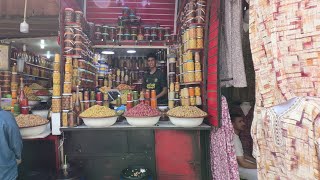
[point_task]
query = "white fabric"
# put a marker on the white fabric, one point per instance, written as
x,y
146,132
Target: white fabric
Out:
x,y
248,174
238,145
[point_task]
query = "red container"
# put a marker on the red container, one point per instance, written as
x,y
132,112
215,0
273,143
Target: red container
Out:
x,y
99,96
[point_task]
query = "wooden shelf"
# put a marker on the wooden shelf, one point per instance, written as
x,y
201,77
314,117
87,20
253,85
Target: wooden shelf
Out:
x,y
28,75
34,65
189,84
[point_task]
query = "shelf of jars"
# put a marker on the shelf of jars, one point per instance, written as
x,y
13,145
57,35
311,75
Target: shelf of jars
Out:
x,y
29,75
134,43
33,65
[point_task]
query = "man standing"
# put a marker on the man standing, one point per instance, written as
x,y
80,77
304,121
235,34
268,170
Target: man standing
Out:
x,y
10,146
247,165
156,80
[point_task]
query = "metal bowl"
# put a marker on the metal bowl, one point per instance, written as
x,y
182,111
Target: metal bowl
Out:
x,y
33,131
186,122
100,122
143,121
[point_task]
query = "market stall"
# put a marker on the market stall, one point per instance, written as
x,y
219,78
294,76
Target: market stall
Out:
x,y
103,94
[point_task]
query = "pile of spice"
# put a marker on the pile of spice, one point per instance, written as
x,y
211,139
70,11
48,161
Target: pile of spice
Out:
x,y
187,112
30,120
142,110
98,111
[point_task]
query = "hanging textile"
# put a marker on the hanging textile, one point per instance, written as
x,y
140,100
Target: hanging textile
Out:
x,y
223,157
284,42
232,71
286,140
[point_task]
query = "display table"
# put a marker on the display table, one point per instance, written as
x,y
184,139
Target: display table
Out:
x,y
170,152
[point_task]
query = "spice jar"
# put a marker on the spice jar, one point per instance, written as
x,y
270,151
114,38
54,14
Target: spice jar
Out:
x,y
56,77
67,87
153,102
172,67
191,91
200,43
112,33
192,101
197,66
67,77
198,101
171,87
176,87
199,31
56,90
105,29
171,104
24,110
68,15
65,118
98,28
167,31
78,16
140,34
193,44
197,91
129,105
68,67
190,65
56,104
66,101
160,34
171,95
189,76
147,31
198,76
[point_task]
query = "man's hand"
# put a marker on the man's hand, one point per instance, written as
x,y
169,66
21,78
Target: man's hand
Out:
x,y
246,164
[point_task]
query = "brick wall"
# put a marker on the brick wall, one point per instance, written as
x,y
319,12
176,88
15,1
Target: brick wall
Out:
x,y
212,76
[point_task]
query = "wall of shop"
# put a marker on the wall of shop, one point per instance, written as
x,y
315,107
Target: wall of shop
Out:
x,y
212,86
151,11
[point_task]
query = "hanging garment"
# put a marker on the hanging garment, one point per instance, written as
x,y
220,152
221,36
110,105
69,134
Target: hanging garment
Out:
x,y
245,135
284,42
224,164
286,140
232,71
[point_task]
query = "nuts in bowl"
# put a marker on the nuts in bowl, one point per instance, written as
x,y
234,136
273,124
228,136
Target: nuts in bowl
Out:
x,y
186,116
142,115
99,116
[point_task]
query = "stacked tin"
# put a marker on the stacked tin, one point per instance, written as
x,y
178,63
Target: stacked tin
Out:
x,y
56,94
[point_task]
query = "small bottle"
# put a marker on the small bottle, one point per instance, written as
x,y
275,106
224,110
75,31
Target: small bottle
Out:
x,y
23,100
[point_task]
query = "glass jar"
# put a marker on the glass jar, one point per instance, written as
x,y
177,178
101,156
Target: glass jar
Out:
x,y
199,43
134,30
154,31
192,44
192,32
147,31
56,104
98,28
120,30
197,91
78,16
198,76
56,90
161,34
68,15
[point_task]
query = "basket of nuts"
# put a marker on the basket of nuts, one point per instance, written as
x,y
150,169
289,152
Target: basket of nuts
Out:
x,y
186,116
99,116
142,115
31,125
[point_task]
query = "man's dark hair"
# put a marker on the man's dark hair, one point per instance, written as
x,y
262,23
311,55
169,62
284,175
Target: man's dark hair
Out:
x,y
152,55
234,116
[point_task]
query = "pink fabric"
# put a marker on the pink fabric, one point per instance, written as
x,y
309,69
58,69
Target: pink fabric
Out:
x,y
224,164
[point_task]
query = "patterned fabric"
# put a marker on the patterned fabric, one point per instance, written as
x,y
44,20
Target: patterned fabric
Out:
x,y
286,143
245,135
284,37
224,164
232,71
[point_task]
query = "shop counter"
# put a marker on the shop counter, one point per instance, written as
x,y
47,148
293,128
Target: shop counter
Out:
x,y
164,125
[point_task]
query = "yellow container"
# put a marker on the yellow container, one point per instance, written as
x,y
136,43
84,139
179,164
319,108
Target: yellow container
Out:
x,y
56,77
65,118
189,77
197,91
192,43
56,66
68,67
199,31
192,32
199,43
67,77
171,104
56,90
68,60
67,87
192,101
57,58
197,66
198,76
190,65
197,56
56,104
188,56
198,101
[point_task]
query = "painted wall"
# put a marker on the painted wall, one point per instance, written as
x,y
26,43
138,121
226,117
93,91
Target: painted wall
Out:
x,y
152,12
